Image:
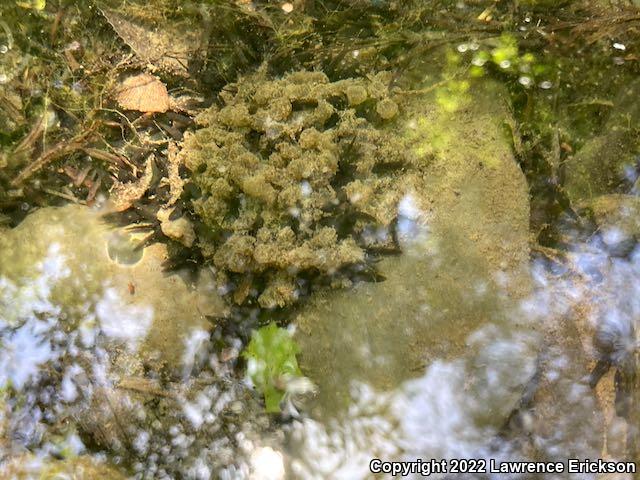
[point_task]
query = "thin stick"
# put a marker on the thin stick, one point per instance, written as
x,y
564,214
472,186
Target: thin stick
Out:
x,y
66,196
55,152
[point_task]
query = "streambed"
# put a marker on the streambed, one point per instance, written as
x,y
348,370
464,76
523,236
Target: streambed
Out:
x,y
454,286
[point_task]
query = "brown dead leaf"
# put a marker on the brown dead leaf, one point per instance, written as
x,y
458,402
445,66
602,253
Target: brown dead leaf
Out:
x,y
144,93
165,46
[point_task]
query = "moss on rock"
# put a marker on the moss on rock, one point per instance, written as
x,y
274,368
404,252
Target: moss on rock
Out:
x,y
291,173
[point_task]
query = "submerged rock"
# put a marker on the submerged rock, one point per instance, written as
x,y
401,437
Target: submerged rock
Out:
x,y
584,401
93,274
463,224
28,467
606,291
97,339
618,220
431,361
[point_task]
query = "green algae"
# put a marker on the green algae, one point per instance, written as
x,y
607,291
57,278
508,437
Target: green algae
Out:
x,y
279,162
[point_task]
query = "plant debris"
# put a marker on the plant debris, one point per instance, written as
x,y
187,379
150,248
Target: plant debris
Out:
x,y
144,93
168,46
123,195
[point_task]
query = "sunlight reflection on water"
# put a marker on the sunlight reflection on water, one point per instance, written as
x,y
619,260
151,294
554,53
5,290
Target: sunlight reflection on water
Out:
x,y
77,379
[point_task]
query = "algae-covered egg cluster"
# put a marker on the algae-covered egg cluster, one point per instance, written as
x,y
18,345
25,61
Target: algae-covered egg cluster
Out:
x,y
294,175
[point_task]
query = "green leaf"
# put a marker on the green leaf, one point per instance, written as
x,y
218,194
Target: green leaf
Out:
x,y
271,362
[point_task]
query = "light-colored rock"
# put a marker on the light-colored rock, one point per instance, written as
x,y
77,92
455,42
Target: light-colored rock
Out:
x,y
106,351
430,361
465,221
72,260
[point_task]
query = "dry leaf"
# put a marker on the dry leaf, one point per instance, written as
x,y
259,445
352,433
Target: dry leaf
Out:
x,y
144,93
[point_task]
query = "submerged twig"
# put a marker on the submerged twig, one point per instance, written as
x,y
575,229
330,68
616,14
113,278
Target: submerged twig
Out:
x,y
31,138
55,152
118,160
66,196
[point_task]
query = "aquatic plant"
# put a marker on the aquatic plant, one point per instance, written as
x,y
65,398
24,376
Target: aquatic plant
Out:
x,y
293,176
473,59
271,363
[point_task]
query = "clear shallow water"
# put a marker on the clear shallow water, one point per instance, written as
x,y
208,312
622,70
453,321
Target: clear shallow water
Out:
x,y
477,343
99,387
